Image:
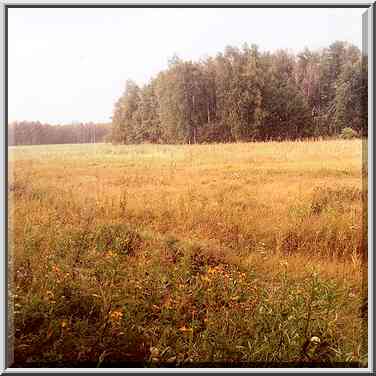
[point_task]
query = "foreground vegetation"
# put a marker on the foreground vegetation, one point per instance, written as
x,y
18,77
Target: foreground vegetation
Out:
x,y
207,255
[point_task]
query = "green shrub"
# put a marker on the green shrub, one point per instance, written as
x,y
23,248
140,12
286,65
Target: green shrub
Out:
x,y
348,133
117,237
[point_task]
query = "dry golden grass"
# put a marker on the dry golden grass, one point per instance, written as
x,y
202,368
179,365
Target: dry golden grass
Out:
x,y
115,221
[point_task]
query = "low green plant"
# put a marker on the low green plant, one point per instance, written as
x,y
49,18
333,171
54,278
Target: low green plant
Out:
x,y
348,133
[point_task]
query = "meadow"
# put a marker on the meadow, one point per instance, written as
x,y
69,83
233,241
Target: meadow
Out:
x,y
228,255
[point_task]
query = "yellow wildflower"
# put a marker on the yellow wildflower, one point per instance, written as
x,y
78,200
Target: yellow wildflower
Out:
x,y
110,254
116,315
206,279
211,270
185,329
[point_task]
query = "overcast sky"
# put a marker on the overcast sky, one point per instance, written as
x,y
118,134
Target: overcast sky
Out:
x,y
70,65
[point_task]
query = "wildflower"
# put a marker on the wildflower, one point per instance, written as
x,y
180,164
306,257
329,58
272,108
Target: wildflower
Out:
x,y
315,340
116,315
206,279
110,254
211,270
55,269
185,329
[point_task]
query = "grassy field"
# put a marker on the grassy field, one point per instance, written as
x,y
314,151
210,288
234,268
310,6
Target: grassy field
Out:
x,y
199,255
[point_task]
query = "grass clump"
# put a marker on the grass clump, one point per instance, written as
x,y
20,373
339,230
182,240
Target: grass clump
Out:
x,y
339,198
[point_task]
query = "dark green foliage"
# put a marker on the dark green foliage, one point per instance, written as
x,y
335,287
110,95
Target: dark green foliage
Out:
x,y
244,95
287,114
349,108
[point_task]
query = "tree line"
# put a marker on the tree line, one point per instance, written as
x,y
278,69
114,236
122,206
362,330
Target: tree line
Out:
x,y
245,95
36,133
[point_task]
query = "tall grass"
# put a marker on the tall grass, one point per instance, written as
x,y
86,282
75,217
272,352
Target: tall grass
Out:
x,y
156,255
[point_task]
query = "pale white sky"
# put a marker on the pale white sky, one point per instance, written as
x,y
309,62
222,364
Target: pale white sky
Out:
x,y
71,64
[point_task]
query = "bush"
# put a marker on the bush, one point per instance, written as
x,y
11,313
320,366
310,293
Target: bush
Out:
x,y
348,133
324,197
117,237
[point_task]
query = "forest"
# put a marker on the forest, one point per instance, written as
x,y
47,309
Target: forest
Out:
x,y
241,95
36,133
244,95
